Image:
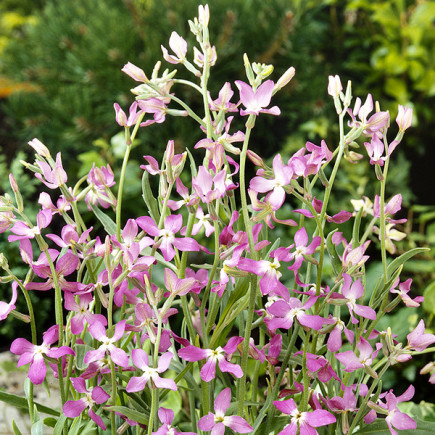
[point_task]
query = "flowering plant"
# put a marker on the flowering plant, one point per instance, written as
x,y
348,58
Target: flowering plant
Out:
x,y
193,317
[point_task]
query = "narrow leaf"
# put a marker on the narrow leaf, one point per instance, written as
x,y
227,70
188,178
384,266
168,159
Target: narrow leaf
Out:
x,y
108,224
134,415
148,197
21,402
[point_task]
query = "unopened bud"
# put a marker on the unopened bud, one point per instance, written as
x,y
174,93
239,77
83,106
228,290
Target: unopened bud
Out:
x,y
255,159
284,79
370,372
248,69
428,368
40,148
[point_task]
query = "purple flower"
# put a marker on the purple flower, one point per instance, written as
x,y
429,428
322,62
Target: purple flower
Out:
x,y
255,101
96,395
140,360
306,422
117,355
213,356
33,354
301,248
374,124
218,421
168,241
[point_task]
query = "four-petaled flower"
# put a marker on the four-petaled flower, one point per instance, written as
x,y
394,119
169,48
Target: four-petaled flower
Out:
x,y
218,421
256,100
93,396
305,422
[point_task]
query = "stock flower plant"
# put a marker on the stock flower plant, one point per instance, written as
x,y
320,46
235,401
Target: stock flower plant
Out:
x,y
193,316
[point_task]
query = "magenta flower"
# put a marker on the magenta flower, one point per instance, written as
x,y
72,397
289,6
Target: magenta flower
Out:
x,y
375,149
140,360
303,422
301,248
285,312
65,265
93,396
33,354
167,240
204,181
6,308
352,291
391,208
117,355
334,342
363,361
220,355
283,176
218,421
83,314
23,231
255,101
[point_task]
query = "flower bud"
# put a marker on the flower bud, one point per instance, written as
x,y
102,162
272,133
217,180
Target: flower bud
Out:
x,y
404,118
334,86
284,79
40,148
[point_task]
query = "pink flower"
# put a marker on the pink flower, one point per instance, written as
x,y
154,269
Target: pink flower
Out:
x,y
283,176
223,101
404,118
166,416
352,291
93,396
121,117
83,314
418,340
218,421
303,422
33,354
134,72
402,289
374,124
6,308
255,101
140,360
363,361
284,313
178,46
395,418
23,231
213,356
52,177
167,240
117,355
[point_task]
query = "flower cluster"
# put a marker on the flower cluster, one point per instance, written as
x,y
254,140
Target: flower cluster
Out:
x,y
167,303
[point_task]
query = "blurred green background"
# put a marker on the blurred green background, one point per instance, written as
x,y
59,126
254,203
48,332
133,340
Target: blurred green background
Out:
x,y
60,73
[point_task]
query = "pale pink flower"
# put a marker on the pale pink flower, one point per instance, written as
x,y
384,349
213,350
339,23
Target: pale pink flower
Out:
x,y
255,101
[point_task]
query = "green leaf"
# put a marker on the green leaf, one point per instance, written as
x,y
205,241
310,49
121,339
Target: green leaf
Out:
x,y
21,402
15,428
130,413
108,224
172,401
37,428
50,421
332,251
148,197
429,298
58,428
81,350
